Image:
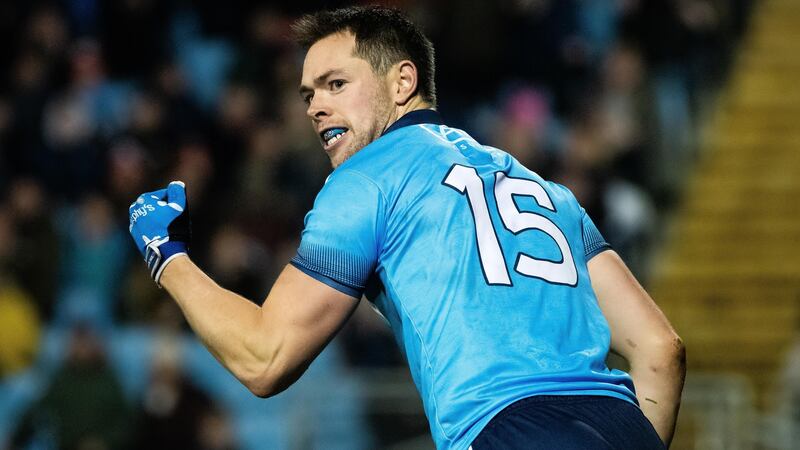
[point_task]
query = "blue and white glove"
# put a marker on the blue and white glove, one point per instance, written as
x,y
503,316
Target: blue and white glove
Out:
x,y
160,226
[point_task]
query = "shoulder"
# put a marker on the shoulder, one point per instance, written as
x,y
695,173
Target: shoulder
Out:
x,y
558,193
352,182
562,194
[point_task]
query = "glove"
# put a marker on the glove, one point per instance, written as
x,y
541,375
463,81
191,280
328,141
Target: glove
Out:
x,y
160,226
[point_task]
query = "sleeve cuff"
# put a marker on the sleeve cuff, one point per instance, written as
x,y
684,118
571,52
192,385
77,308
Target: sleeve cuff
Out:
x,y
597,250
343,288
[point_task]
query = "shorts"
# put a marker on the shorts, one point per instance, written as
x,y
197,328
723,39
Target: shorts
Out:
x,y
569,422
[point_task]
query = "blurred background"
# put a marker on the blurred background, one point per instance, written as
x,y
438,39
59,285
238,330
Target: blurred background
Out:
x,y
675,122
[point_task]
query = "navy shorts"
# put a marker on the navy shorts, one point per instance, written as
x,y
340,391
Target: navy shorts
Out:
x,y
567,422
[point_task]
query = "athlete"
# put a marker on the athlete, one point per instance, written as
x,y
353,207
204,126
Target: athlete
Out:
x,y
501,292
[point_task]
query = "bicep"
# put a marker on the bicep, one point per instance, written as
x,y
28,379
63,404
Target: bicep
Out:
x,y
636,322
321,287
305,314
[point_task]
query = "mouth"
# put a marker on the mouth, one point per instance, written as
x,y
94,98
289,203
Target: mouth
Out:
x,y
331,136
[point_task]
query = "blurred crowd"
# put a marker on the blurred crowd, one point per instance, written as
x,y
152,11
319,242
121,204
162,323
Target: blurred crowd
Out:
x,y
101,100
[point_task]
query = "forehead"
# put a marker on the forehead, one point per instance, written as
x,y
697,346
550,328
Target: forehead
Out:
x,y
331,52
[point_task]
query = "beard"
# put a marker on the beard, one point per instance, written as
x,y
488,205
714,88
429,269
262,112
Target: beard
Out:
x,y
381,109
357,142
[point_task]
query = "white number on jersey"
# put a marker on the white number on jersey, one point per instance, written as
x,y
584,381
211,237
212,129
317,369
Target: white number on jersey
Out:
x,y
466,181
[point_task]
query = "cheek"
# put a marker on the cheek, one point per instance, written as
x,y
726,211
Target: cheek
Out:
x,y
366,104
362,107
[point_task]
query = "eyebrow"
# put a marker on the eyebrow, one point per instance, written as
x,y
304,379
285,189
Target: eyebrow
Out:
x,y
303,89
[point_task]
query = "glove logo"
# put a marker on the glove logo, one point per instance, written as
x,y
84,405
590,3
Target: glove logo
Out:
x,y
141,212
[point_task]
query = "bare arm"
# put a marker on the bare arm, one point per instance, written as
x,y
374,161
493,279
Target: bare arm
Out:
x,y
267,348
643,336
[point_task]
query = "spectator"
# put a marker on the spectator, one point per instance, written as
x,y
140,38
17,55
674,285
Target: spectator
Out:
x,y
84,406
174,413
19,319
36,256
94,259
19,328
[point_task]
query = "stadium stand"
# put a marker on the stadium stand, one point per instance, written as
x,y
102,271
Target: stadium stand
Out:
x,y
730,275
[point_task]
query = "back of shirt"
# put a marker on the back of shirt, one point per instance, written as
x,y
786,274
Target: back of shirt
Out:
x,y
478,264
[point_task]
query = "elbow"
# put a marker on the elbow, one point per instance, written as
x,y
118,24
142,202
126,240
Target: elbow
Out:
x,y
260,387
667,346
263,391
680,350
271,370
676,349
262,383
676,356
664,354
267,380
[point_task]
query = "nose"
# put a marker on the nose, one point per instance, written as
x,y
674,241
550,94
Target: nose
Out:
x,y
317,108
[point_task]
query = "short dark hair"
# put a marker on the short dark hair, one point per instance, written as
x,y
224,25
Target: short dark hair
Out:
x,y
384,37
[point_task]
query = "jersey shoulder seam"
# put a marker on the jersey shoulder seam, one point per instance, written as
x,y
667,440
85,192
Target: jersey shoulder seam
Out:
x,y
370,180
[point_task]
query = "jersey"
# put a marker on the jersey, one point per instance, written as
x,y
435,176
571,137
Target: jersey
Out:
x,y
478,264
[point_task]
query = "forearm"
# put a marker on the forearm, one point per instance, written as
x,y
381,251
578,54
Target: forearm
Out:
x,y
267,348
228,324
658,389
642,335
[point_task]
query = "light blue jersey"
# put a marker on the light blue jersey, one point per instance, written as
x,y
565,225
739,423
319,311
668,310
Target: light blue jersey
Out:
x,y
478,264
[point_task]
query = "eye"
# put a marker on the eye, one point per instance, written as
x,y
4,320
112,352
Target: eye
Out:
x,y
336,84
307,98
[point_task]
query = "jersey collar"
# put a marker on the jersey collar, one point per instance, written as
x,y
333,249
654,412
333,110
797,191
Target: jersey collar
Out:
x,y
415,117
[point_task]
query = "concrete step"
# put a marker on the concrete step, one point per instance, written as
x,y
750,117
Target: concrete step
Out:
x,y
741,269
758,60
712,255
778,182
737,163
729,213
767,79
731,138
772,123
758,111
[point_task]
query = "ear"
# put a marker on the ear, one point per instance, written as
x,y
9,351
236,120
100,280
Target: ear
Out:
x,y
405,82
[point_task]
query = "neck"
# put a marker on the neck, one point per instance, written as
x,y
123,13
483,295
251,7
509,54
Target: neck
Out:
x,y
412,105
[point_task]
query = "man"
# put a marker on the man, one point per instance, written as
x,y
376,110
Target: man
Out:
x,y
501,292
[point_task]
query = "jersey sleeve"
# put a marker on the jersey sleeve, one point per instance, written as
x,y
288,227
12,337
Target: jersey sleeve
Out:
x,y
593,241
341,238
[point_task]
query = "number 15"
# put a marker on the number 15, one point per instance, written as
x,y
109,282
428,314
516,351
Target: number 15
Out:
x,y
466,181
